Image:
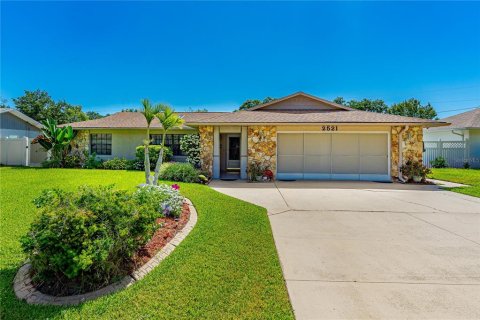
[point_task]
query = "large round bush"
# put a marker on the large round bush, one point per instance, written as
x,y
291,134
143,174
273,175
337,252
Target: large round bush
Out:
x,y
85,239
177,171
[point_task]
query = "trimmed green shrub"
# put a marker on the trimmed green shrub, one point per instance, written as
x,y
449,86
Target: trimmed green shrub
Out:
x,y
190,146
75,159
85,239
439,162
154,151
177,171
92,162
118,164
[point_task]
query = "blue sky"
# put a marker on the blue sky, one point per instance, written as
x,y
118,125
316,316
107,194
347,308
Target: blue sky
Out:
x,y
106,56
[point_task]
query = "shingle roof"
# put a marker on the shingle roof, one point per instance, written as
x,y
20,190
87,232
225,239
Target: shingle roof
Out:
x,y
469,119
131,120
312,116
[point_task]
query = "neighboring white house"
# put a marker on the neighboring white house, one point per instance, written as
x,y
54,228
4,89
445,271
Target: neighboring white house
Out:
x,y
16,134
458,143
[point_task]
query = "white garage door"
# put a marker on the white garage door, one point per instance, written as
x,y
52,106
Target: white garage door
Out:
x,y
335,156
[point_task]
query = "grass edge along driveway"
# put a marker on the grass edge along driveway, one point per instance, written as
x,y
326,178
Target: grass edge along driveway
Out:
x,y
227,267
470,177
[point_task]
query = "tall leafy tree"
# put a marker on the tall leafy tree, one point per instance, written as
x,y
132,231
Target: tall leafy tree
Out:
x,y
66,113
247,104
34,104
4,103
190,109
413,108
149,111
365,105
340,100
369,105
92,115
40,106
407,108
169,120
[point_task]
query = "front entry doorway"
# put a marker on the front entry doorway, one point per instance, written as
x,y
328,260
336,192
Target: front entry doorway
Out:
x,y
229,156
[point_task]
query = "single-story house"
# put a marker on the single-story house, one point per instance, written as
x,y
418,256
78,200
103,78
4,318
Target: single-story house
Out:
x,y
16,134
299,136
458,142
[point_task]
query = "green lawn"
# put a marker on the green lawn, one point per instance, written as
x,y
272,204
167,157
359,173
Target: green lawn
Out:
x,y
470,177
226,268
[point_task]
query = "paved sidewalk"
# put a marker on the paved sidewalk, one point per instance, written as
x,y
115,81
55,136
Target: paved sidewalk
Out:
x,y
446,184
361,250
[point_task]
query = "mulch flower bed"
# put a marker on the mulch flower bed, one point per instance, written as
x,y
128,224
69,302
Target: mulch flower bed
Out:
x,y
170,227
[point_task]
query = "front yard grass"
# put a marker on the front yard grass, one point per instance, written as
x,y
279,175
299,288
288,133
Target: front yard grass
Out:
x,y
470,177
226,268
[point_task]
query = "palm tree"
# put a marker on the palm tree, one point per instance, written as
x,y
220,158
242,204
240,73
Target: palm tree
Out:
x,y
169,120
149,111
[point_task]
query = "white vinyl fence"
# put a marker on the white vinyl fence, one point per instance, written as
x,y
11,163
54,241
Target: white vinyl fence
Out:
x,y
455,152
21,152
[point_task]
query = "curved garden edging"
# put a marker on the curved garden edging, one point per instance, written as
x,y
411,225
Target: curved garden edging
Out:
x,y
24,289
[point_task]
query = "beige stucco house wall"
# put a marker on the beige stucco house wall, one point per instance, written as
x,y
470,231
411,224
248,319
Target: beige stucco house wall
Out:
x,y
124,141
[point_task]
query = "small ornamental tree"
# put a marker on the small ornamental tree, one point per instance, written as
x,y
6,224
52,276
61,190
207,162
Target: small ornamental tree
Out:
x,y
169,120
190,146
149,111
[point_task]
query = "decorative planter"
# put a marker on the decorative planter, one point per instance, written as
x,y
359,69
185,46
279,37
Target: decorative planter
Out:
x,y
417,179
25,290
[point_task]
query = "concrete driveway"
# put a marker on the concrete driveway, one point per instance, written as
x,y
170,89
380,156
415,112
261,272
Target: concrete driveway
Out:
x,y
373,250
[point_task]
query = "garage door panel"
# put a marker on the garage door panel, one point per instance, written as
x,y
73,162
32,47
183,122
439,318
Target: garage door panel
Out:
x,y
373,165
317,143
290,144
290,164
345,164
342,156
345,144
317,164
373,144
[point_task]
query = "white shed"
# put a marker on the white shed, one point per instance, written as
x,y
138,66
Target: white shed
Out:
x,y
16,134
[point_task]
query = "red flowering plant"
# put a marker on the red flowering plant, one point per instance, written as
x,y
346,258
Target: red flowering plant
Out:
x,y
268,173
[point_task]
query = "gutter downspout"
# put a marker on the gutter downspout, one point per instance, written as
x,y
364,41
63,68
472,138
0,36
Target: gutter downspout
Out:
x,y
459,134
400,154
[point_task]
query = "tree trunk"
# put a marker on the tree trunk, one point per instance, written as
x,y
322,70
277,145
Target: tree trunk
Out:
x,y
159,161
146,161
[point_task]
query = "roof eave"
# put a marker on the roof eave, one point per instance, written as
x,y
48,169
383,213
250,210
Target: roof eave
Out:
x,y
423,124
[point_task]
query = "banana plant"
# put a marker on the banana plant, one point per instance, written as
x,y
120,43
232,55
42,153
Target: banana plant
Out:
x,y
169,120
56,139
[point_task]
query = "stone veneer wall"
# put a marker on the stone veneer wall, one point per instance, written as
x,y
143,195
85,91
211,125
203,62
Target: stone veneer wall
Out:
x,y
206,151
82,140
412,146
262,146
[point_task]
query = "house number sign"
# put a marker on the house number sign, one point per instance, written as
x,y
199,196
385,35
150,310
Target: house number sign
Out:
x,y
329,128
